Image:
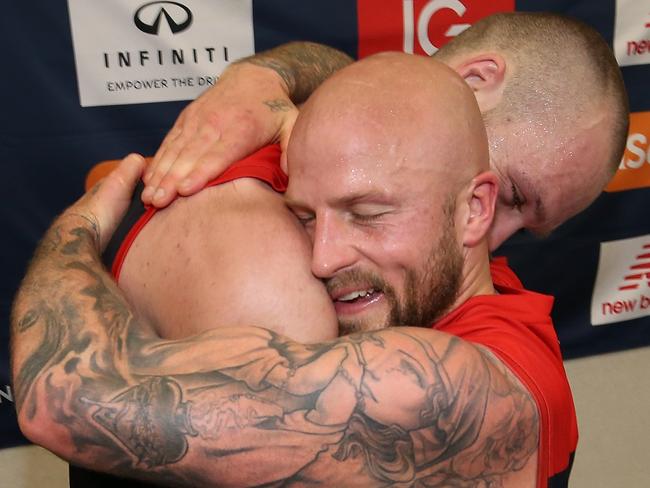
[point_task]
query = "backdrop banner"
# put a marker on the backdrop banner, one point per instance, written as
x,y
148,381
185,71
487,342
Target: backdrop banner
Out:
x,y
89,80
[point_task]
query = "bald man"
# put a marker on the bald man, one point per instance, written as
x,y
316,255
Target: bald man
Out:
x,y
244,406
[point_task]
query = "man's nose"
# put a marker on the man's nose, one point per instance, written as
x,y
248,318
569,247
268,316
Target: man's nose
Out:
x,y
333,248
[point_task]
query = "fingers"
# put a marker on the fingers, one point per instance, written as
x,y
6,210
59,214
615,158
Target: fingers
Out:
x,y
162,154
191,171
181,152
193,156
206,170
169,184
199,159
167,142
163,160
183,130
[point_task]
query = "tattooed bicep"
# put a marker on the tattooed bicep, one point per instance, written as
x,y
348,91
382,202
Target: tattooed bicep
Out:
x,y
504,382
513,424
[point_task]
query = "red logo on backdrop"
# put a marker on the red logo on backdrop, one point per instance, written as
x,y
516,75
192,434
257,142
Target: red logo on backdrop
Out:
x,y
634,170
639,271
418,26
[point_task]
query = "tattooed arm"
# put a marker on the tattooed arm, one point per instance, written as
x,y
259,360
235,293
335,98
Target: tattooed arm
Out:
x,y
250,106
246,407
303,66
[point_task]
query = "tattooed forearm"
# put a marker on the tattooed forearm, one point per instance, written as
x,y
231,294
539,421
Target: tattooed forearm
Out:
x,y
45,351
139,420
70,343
303,66
203,410
48,338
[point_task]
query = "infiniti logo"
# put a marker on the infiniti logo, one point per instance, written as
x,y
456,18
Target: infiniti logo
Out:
x,y
148,17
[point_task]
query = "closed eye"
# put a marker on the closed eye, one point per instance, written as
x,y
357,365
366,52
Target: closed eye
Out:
x,y
517,200
367,218
305,218
369,212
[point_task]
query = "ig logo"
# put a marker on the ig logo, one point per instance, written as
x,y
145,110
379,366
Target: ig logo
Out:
x,y
420,29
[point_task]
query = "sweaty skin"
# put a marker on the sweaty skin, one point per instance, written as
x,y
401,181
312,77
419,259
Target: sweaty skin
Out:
x,y
232,255
98,389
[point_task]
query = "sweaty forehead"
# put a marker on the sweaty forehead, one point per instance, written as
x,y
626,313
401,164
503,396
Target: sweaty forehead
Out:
x,y
386,135
355,164
341,174
352,140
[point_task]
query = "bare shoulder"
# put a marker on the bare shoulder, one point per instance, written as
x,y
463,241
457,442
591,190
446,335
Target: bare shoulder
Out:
x,y
219,258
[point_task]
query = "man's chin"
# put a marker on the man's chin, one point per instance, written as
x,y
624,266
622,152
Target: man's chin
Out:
x,y
363,315
348,326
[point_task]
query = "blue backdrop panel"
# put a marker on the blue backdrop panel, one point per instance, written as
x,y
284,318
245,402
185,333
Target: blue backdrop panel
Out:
x,y
331,22
48,142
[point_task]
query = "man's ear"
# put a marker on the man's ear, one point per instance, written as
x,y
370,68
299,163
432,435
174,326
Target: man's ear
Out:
x,y
485,74
482,200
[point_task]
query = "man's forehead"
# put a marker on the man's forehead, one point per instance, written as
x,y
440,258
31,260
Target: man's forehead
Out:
x,y
339,178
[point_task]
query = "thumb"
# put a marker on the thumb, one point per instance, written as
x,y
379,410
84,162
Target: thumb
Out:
x,y
111,199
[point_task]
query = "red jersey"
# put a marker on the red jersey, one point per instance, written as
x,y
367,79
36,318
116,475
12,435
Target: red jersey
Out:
x,y
516,325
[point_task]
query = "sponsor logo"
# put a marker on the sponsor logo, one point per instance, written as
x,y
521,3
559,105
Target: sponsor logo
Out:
x,y
640,270
634,170
127,59
418,26
622,288
177,16
134,51
632,32
6,394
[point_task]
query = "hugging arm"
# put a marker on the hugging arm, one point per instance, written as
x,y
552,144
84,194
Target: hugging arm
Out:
x,y
251,105
244,406
303,66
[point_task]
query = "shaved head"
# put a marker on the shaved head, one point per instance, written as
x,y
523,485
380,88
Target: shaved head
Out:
x,y
384,160
555,110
